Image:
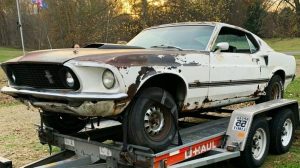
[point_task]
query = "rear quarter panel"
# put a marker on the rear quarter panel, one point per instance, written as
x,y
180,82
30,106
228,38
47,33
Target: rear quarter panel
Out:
x,y
279,61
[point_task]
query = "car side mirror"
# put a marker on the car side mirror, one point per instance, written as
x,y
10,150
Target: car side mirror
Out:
x,y
223,46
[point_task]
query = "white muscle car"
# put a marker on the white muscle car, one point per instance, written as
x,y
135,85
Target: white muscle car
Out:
x,y
161,73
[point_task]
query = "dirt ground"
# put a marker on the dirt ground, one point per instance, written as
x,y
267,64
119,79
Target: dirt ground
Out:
x,y
4,99
18,138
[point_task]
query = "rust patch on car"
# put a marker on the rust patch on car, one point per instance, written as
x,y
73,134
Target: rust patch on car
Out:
x,y
142,74
142,60
120,106
144,57
185,107
100,108
196,105
132,90
257,93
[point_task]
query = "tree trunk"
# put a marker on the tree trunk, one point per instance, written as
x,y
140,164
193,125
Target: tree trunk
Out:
x,y
145,12
297,7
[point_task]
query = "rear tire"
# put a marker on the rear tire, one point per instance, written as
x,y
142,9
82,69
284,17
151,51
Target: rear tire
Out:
x,y
282,131
274,90
257,145
63,123
150,120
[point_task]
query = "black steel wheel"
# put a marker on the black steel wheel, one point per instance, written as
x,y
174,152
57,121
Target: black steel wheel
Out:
x,y
282,130
150,119
257,145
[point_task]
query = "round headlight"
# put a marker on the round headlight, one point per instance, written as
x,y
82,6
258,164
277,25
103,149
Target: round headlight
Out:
x,y
108,79
70,80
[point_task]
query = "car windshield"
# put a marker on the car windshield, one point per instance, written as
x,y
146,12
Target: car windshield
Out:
x,y
177,37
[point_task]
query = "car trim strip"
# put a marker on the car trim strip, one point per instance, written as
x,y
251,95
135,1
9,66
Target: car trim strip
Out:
x,y
226,83
289,76
65,96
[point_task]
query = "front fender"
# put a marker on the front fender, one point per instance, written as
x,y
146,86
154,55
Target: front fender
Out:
x,y
151,75
136,77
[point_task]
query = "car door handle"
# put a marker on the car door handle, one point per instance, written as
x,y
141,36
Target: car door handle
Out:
x,y
255,59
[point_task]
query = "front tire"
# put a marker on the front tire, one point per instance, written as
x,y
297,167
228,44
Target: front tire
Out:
x,y
62,122
257,145
152,119
282,131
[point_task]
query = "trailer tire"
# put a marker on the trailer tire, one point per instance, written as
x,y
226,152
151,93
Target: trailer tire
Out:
x,y
152,118
282,132
63,123
274,90
257,144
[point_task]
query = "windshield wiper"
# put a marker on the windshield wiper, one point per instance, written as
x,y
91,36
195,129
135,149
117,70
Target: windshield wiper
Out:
x,y
167,46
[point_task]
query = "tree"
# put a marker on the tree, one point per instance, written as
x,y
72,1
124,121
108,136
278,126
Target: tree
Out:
x,y
255,16
65,22
295,5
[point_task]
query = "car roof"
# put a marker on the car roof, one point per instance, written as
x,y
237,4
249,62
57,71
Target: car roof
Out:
x,y
197,24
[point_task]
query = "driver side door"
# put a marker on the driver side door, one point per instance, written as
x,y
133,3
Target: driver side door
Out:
x,y
234,74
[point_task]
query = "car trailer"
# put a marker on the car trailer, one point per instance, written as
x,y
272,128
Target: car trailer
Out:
x,y
247,133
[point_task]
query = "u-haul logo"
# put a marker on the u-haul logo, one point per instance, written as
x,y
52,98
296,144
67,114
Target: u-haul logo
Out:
x,y
197,150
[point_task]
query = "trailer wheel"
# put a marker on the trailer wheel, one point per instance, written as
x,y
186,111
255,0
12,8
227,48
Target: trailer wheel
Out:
x,y
150,119
257,145
274,90
63,123
282,131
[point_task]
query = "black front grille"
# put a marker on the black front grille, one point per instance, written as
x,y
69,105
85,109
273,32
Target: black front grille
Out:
x,y
45,76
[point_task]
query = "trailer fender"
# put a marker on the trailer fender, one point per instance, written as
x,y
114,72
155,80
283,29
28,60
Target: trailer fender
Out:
x,y
241,120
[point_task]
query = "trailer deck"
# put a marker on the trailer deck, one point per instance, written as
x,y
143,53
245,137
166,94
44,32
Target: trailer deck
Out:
x,y
102,145
202,143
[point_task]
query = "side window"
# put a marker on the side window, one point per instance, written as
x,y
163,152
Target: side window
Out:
x,y
238,40
254,46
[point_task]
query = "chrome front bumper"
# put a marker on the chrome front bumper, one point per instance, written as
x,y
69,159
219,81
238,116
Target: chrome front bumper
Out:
x,y
61,95
93,104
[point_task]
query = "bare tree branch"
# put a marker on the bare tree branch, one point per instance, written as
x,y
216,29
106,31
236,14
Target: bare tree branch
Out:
x,y
290,3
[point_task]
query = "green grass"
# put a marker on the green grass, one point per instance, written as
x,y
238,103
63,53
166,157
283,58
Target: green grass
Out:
x,y
288,44
290,159
40,147
293,90
11,103
297,56
9,53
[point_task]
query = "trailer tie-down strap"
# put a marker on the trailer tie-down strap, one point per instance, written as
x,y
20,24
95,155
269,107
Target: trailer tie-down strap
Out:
x,y
124,154
125,131
179,142
174,117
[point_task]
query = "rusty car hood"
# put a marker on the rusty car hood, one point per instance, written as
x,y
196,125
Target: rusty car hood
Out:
x,y
117,57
